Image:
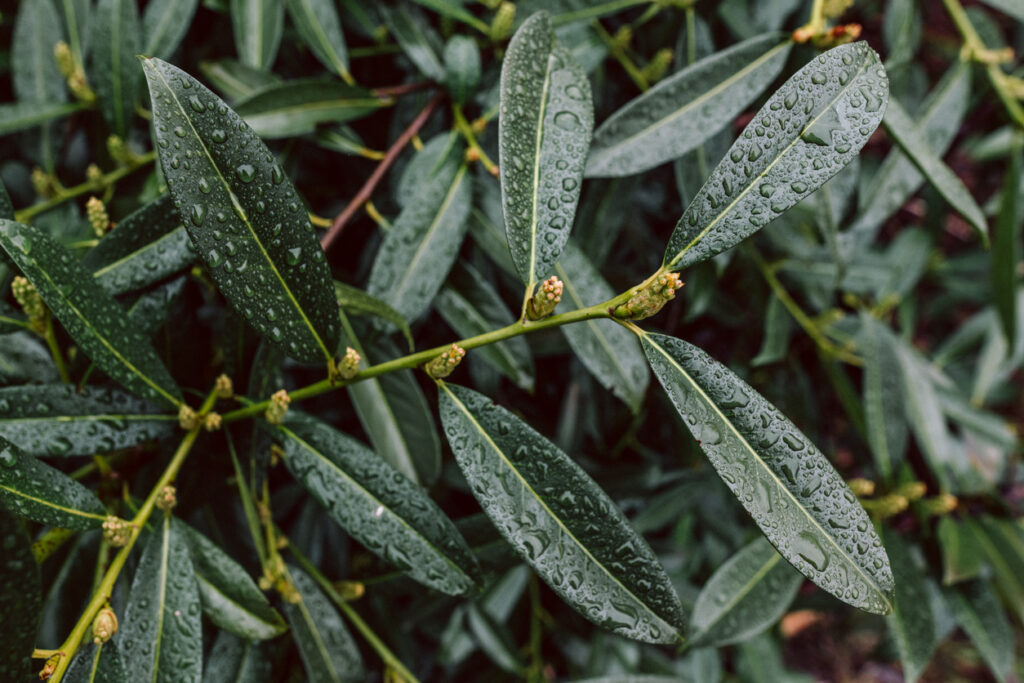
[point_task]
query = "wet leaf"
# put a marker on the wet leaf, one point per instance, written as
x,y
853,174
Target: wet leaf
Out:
x,y
76,20
328,652
544,130
924,413
113,68
1006,249
247,223
22,115
153,307
912,623
164,25
495,640
25,358
21,599
681,112
806,132
161,634
354,300
236,660
94,320
230,598
786,484
1002,546
235,80
258,26
11,320
744,596
559,520
320,28
883,397
462,66
376,505
961,554
34,76
293,108
418,41
977,610
97,664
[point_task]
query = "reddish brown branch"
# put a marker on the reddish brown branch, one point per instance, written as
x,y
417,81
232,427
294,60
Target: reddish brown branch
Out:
x,y
399,90
363,196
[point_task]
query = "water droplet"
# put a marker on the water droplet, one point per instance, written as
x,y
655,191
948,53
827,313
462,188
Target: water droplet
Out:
x,y
293,256
245,173
566,120
197,214
819,78
204,186
214,258
218,135
196,104
276,175
179,131
8,458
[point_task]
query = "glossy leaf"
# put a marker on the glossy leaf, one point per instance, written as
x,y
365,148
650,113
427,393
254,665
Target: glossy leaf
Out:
x,y
21,599
113,68
914,144
354,300
786,484
606,349
559,520
320,28
31,488
328,652
258,26
247,223
544,130
93,319
744,596
1002,547
977,610
164,25
161,633
418,41
1006,249
25,358
681,112
425,166
912,623
235,80
495,641
296,107
230,598
377,505
11,320
1008,7
97,664
36,81
422,245
462,67
497,602
883,397
147,246
152,308
961,553
924,413
236,660
806,132
23,115
59,420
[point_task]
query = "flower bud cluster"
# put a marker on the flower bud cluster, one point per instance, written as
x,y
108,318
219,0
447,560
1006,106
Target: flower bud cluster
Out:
x,y
167,498
278,407
650,299
31,303
104,626
348,366
97,215
545,299
443,365
116,531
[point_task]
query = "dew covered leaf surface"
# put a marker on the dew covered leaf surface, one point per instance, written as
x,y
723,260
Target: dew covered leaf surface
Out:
x,y
113,68
258,26
296,107
249,226
547,116
97,664
806,132
912,623
887,431
559,520
787,485
21,599
236,660
320,28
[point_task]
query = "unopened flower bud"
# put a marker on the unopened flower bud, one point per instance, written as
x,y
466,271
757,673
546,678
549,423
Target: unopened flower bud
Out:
x,y
655,69
97,215
187,418
472,155
79,86
349,590
93,173
348,366
31,303
212,421
942,504
65,61
116,531
545,299
443,365
278,407
223,387
649,299
912,490
622,38
50,667
504,19
117,150
167,498
42,182
862,488
104,626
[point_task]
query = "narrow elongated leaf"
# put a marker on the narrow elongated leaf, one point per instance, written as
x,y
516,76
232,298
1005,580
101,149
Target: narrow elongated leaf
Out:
x,y
247,223
547,117
58,420
235,80
97,664
977,610
258,27
113,68
961,552
235,660
378,506
1009,7
462,67
424,166
497,603
76,20
328,652
559,520
883,397
153,308
164,25
912,622
149,245
914,144
93,319
21,600
786,484
1006,249
11,320
606,349
804,134
1002,546
296,107
494,640
924,413
320,28
229,596
35,77
681,112
744,596
25,358
355,300
424,241
31,488
418,41
161,634
22,115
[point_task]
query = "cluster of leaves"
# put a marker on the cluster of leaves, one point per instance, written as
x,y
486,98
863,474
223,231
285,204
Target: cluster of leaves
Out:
x,y
568,524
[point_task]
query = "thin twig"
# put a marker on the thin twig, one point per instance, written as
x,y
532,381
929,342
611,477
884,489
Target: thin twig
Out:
x,y
399,90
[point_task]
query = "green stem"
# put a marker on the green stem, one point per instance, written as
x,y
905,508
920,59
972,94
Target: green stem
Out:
x,y
467,132
104,181
621,57
58,357
50,541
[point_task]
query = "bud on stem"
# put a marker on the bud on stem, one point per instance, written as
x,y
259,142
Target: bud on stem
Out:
x,y
443,365
545,299
649,299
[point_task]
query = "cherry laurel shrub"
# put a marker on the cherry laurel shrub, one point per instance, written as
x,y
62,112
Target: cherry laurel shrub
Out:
x,y
219,462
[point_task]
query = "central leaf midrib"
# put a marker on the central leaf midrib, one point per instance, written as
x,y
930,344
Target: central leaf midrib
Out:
x,y
305,106
148,246
50,504
165,550
321,646
742,593
538,144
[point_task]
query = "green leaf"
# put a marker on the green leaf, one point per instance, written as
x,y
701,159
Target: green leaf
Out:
x,y
94,320
494,640
11,320
744,596
379,507
606,349
543,136
924,413
425,165
419,250
161,634
296,107
418,41
681,112
804,134
149,245
883,397
21,600
914,144
76,21
912,623
1008,7
24,358
153,308
454,9
31,488
778,328
1002,546
1006,249
979,613
462,67
471,306
320,28
235,660
559,520
164,25
258,26
97,664
247,223
230,597
341,139
113,69
497,602
59,420
328,652
35,79
961,552
236,80
786,484
6,207
355,300
22,115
